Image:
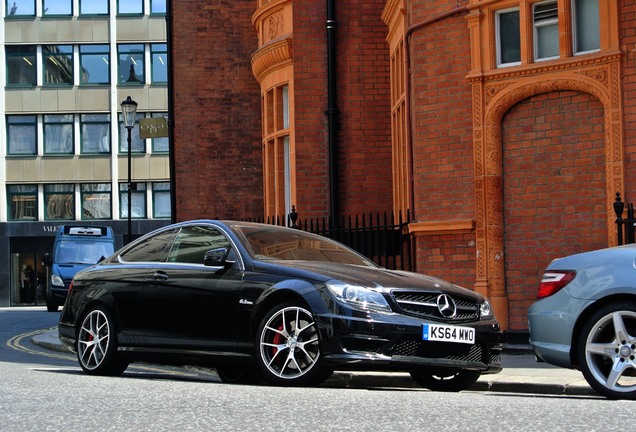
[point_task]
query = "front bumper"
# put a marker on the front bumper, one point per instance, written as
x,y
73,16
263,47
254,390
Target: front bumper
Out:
x,y
377,341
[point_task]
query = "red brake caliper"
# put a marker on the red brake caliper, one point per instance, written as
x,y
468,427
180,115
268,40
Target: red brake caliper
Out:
x,y
277,340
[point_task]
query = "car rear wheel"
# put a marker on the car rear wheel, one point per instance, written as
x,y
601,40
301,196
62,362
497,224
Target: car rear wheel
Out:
x,y
288,347
239,374
97,344
446,380
607,350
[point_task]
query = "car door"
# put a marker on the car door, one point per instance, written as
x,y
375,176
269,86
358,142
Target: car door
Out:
x,y
188,304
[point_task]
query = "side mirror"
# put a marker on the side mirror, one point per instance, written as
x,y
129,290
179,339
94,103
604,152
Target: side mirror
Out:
x,y
217,258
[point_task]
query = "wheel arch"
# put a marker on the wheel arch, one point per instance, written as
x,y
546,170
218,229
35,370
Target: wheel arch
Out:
x,y
586,314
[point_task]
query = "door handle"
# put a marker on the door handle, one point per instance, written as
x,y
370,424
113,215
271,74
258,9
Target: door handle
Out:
x,y
159,275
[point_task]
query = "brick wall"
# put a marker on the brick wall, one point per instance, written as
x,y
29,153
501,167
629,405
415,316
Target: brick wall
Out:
x,y
627,17
217,111
554,189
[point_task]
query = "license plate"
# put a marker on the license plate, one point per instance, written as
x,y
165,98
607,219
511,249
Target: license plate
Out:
x,y
447,333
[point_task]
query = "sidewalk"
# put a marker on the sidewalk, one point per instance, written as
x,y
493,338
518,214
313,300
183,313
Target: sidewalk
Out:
x,y
521,374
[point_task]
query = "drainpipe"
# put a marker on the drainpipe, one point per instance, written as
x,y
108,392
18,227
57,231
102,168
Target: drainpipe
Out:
x,y
332,112
171,157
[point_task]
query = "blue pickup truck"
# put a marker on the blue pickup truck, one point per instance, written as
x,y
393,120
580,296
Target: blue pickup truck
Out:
x,y
75,248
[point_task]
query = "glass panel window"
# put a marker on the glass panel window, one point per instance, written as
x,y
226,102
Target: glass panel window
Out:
x,y
23,202
22,135
20,8
154,249
130,7
546,31
58,134
161,200
94,64
21,65
96,201
95,133
131,64
59,201
158,7
508,38
586,26
138,203
57,7
159,56
58,64
93,7
160,145
138,145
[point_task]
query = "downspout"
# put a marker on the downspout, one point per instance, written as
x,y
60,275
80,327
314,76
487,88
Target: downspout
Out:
x,y
332,113
171,157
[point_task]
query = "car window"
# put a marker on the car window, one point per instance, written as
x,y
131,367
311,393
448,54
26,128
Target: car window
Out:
x,y
153,249
194,241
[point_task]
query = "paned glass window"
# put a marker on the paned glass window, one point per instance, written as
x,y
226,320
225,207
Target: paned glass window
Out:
x,y
93,7
131,64
161,200
138,145
94,64
20,8
130,7
22,202
95,133
96,201
586,26
22,135
138,203
546,30
58,134
59,202
57,7
157,7
160,145
58,64
508,38
21,65
159,56
155,249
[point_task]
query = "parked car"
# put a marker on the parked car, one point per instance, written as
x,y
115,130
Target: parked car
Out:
x,y
585,318
273,304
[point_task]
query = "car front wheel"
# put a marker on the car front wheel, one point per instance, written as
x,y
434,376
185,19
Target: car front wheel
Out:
x,y
446,380
288,347
97,344
607,350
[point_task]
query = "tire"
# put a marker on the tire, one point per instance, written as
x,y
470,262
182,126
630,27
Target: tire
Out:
x,y
97,344
239,374
451,380
288,347
607,350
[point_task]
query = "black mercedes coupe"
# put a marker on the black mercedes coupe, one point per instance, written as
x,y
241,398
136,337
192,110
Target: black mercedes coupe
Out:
x,y
262,303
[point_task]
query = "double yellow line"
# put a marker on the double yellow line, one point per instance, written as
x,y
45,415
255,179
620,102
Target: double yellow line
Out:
x,y
16,343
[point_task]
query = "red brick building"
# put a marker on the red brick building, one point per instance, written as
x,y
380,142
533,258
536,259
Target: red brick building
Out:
x,y
502,125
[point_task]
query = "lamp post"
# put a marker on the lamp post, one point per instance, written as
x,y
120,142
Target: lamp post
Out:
x,y
129,112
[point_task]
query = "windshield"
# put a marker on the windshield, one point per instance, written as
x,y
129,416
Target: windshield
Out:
x,y
82,252
274,243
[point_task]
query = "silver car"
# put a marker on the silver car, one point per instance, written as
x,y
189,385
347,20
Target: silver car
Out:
x,y
585,318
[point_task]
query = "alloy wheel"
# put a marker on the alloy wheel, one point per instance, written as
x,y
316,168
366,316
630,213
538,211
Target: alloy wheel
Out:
x,y
289,346
93,339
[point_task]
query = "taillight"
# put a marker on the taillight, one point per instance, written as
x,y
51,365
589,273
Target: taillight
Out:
x,y
553,281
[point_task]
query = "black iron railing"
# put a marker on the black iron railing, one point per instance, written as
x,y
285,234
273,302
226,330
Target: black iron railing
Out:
x,y
624,227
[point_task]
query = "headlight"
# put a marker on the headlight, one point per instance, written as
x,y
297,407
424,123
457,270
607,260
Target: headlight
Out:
x,y
485,311
358,296
56,280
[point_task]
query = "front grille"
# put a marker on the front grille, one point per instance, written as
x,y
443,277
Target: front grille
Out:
x,y
439,350
424,305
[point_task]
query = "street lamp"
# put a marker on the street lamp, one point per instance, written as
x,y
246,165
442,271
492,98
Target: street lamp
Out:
x,y
129,112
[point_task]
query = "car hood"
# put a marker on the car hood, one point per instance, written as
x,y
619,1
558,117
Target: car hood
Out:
x,y
375,277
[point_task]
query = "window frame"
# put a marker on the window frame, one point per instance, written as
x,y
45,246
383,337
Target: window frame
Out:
x,y
9,7
544,23
155,143
32,192
33,122
84,121
139,3
575,29
498,38
159,190
26,53
123,75
161,12
56,15
94,14
53,58
138,144
105,57
158,52
68,192
87,190
138,190
46,121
